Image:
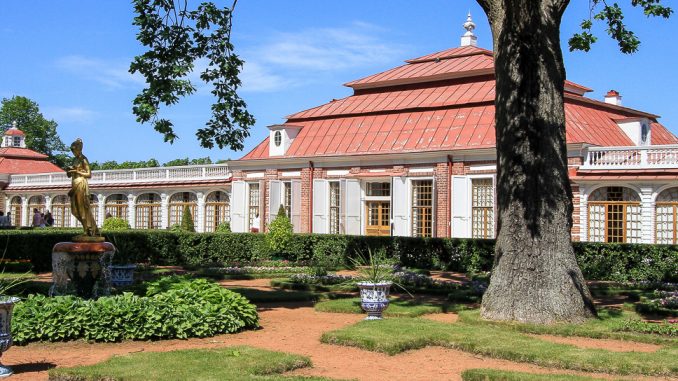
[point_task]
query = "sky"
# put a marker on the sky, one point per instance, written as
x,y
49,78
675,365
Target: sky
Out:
x,y
72,58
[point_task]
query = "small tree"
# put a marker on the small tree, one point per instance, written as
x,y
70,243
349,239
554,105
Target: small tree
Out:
x,y
115,223
187,220
280,232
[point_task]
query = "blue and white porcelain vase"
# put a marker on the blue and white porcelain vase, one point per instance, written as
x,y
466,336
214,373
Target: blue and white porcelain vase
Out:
x,y
122,275
374,298
6,306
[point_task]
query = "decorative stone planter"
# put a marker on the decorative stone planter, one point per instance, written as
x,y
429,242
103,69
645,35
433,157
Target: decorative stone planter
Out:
x,y
122,275
374,298
6,307
82,269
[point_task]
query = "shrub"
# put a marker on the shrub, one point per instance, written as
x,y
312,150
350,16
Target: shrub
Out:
x,y
280,232
172,308
187,220
224,227
115,223
601,261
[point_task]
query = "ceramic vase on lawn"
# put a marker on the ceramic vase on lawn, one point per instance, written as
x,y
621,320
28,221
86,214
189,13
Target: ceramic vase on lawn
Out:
x,y
122,275
6,307
374,298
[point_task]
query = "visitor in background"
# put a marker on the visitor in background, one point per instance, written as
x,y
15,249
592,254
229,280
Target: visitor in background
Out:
x,y
256,222
3,219
108,215
42,219
49,220
9,219
37,218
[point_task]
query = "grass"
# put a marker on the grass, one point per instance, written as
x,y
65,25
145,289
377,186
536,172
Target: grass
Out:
x,y
606,326
286,284
227,364
397,307
396,335
502,375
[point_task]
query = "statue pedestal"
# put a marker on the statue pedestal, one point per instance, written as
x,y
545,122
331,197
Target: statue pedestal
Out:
x,y
82,268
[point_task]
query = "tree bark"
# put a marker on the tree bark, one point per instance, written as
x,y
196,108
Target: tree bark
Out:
x,y
535,277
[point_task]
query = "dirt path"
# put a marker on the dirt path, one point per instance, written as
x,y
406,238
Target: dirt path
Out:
x,y
289,327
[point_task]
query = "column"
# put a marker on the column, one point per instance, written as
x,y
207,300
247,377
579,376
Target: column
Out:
x,y
583,213
25,214
200,213
131,211
102,209
48,203
164,210
647,214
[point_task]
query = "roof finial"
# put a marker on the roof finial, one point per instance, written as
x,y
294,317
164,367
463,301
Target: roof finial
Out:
x,y
14,124
469,39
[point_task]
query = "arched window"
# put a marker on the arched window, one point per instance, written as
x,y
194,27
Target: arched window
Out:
x,y
36,202
116,205
15,211
61,211
666,209
217,210
614,215
177,203
148,211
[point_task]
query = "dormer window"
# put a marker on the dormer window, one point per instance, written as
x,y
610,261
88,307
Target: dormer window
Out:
x,y
17,141
644,133
281,137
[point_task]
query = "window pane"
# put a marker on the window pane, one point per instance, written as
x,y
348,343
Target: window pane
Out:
x,y
422,208
482,208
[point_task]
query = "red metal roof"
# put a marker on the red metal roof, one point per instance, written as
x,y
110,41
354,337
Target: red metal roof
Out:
x,y
14,165
660,135
14,132
21,152
414,107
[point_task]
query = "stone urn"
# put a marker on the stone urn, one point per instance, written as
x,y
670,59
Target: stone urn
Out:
x,y
374,298
122,275
6,306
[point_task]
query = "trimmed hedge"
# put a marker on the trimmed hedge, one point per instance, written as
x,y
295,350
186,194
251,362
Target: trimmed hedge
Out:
x,y
601,261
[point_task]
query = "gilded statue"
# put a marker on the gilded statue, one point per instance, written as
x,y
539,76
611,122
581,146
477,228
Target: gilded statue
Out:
x,y
79,193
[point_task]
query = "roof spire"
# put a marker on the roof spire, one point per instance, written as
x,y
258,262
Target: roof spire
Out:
x,y
469,39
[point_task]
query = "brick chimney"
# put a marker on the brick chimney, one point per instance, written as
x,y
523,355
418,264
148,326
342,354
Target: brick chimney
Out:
x,y
612,97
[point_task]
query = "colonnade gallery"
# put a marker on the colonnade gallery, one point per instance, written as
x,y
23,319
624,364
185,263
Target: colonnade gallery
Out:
x,y
410,153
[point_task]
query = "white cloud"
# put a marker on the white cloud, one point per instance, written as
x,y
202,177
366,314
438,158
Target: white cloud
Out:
x,y
70,114
330,49
113,75
292,59
258,78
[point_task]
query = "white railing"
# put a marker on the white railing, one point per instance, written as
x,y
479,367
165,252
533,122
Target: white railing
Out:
x,y
665,156
141,175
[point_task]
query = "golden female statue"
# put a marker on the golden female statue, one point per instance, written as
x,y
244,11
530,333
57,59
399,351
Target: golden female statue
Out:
x,y
79,193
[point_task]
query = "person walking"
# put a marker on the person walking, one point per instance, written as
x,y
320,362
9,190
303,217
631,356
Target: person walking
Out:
x,y
37,218
49,220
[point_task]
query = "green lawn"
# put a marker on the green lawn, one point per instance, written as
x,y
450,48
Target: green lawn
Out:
x,y
606,326
396,335
502,375
397,307
225,364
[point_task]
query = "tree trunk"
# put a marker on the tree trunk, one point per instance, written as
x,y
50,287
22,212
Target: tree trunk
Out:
x,y
535,277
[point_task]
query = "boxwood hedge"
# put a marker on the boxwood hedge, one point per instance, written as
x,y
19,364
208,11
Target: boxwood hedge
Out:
x,y
601,261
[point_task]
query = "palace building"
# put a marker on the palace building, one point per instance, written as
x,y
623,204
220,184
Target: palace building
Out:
x,y
410,153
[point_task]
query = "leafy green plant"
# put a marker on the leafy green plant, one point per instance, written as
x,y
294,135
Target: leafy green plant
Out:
x,y
115,223
187,220
172,308
665,328
280,232
375,267
224,227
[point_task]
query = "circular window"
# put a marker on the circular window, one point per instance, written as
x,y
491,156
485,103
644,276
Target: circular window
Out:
x,y
277,138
